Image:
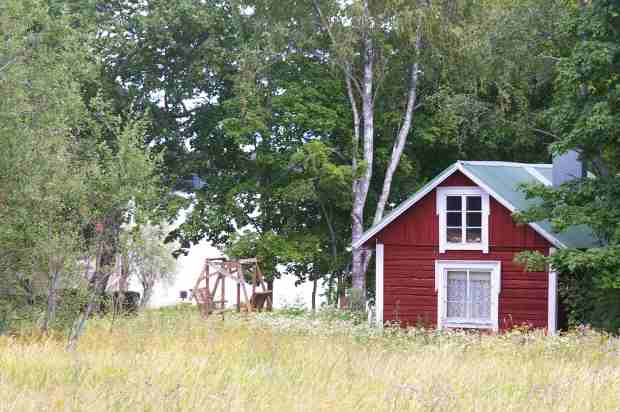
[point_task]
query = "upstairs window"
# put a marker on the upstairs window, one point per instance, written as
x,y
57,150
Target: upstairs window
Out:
x,y
463,218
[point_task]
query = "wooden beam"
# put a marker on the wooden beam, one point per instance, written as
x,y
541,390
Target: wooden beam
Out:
x,y
223,292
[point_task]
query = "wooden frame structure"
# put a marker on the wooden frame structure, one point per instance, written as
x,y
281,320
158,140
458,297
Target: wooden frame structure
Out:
x,y
237,271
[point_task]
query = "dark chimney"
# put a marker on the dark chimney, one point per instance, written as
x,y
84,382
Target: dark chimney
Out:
x,y
567,167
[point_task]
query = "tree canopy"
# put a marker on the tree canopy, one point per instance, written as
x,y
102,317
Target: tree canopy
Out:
x,y
285,132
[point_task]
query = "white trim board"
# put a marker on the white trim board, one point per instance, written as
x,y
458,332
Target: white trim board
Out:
x,y
403,207
539,176
552,299
379,253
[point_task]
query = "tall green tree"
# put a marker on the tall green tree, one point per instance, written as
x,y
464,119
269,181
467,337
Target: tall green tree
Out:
x,y
71,171
42,178
585,117
394,91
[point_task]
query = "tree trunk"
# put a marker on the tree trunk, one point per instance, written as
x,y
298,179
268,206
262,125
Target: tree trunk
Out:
x,y
80,323
399,145
118,301
342,298
26,285
147,293
333,242
270,284
106,258
123,282
50,313
360,257
330,290
358,276
314,288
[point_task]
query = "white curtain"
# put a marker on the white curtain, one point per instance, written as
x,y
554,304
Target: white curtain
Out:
x,y
480,289
457,294
479,300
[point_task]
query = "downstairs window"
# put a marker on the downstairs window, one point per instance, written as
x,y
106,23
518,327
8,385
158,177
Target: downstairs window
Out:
x,y
468,293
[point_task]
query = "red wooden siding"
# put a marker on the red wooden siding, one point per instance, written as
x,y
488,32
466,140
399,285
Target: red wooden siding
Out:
x,y
411,248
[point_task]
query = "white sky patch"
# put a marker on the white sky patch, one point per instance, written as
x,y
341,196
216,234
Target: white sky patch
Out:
x,y
247,10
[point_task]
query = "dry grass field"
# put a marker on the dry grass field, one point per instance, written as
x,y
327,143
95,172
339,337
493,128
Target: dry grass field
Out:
x,y
171,360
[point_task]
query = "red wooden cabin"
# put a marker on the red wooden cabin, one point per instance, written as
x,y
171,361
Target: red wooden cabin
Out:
x,y
445,257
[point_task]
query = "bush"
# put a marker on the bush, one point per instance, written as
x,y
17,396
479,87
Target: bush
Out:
x,y
585,302
356,299
122,302
293,310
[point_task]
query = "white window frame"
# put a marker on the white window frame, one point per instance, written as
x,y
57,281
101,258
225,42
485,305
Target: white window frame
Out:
x,y
442,196
441,287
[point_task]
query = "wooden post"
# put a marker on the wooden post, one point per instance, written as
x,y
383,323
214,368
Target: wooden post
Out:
x,y
254,285
223,294
238,297
207,303
248,304
217,283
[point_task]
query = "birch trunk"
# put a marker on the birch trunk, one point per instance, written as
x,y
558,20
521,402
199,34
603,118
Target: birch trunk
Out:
x,y
399,145
363,183
363,127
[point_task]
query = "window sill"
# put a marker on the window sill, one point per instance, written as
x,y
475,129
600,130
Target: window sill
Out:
x,y
465,246
467,325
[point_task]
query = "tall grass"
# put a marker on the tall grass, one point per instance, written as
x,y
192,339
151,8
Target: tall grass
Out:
x,y
171,360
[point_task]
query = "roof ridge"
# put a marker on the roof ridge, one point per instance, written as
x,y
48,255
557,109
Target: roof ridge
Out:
x,y
502,163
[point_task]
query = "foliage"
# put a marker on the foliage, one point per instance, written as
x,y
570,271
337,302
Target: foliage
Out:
x,y
109,108
39,174
17,313
257,93
584,116
150,260
68,165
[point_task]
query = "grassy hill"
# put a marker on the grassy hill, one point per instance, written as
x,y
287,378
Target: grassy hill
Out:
x,y
172,360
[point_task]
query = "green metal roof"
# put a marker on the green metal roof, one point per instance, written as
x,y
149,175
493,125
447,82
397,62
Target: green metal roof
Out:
x,y
502,180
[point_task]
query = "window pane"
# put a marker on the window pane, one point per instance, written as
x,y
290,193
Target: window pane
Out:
x,y
457,294
455,219
474,203
474,235
454,235
474,219
480,289
454,203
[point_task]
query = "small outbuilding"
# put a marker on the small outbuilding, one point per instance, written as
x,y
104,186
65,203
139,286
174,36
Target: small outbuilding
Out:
x,y
446,256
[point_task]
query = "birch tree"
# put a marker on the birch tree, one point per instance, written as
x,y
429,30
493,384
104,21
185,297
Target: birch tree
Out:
x,y
365,40
150,260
